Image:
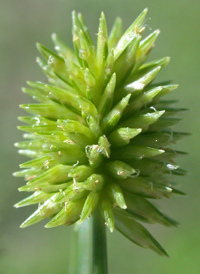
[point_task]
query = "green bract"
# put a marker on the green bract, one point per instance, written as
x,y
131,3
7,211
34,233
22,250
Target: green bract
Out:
x,y
100,135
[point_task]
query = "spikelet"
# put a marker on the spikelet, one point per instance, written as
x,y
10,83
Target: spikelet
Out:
x,y
99,135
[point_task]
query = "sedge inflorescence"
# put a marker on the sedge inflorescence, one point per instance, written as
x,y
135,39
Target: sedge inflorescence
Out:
x,y
99,137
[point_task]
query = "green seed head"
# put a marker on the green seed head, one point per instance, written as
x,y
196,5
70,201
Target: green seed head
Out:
x,y
99,135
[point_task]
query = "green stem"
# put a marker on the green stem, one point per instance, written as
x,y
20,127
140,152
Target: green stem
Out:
x,y
80,249
99,244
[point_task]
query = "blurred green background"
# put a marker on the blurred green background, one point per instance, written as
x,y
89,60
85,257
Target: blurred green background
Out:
x,y
23,23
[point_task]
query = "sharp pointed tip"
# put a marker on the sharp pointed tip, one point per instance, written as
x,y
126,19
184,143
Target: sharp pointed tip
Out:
x,y
23,225
111,229
73,14
165,254
53,35
38,45
50,225
80,221
102,14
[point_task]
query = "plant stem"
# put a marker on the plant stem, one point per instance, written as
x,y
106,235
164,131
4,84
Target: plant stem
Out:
x,y
99,244
80,262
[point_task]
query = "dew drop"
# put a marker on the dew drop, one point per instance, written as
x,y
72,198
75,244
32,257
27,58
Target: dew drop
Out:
x,y
50,60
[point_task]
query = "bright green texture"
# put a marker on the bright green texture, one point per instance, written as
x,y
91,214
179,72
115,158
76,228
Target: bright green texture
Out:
x,y
96,125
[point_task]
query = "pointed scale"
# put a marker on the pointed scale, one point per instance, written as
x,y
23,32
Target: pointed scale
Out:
x,y
121,137
119,169
63,50
135,152
36,197
142,121
138,84
144,186
106,100
87,53
116,195
124,64
135,232
129,34
113,117
85,29
67,215
115,33
107,213
144,48
145,211
89,205
102,42
56,62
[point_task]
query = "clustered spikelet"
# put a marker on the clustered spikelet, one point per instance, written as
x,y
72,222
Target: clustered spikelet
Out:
x,y
100,135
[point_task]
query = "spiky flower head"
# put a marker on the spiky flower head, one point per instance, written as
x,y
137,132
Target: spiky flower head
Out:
x,y
99,136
